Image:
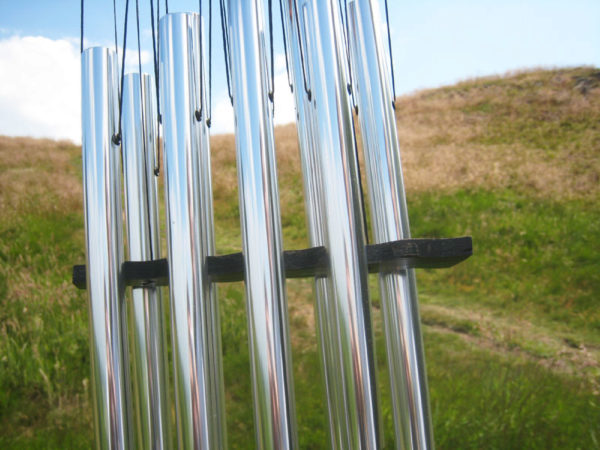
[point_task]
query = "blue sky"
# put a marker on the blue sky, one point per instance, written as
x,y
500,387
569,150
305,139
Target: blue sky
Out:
x,y
435,43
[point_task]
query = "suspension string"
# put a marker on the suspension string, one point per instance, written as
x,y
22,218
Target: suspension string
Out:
x,y
272,90
155,61
137,17
346,24
144,135
154,56
116,45
226,48
117,137
285,49
81,44
198,112
306,88
387,20
115,26
209,101
158,59
344,17
166,6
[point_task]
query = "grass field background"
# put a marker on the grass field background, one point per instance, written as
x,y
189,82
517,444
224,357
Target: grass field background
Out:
x,y
512,335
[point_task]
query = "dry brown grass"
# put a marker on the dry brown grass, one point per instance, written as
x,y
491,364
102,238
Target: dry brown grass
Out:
x,y
31,169
536,130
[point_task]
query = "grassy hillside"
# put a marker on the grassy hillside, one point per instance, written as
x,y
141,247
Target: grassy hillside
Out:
x,y
512,336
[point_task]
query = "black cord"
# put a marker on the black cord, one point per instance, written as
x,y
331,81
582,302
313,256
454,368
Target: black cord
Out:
x,y
285,47
272,90
144,133
198,112
306,88
155,60
81,44
137,18
166,6
345,23
226,48
117,137
209,102
115,26
350,85
387,19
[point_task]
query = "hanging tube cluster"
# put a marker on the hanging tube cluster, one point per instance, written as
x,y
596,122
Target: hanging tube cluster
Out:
x,y
335,52
327,141
401,319
261,228
150,380
104,248
194,309
325,306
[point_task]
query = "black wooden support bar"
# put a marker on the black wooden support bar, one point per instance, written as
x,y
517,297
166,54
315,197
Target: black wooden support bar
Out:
x,y
310,262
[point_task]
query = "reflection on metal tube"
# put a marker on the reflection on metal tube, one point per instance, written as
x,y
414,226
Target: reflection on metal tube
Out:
x,y
194,311
390,222
319,22
149,347
104,245
261,230
313,196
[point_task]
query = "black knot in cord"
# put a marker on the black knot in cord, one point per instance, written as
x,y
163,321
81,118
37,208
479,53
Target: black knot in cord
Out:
x,y
271,97
198,115
208,122
309,93
116,139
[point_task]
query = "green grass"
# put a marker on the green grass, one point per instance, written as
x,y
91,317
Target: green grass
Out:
x,y
512,335
533,258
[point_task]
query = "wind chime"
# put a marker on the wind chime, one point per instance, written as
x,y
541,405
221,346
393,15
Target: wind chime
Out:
x,y
337,64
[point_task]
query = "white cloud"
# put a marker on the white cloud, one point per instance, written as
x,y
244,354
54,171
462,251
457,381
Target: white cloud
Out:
x,y
132,61
285,110
222,114
40,88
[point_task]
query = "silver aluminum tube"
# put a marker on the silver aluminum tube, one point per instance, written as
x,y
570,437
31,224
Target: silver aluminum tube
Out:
x,y
325,54
150,379
401,320
261,229
325,311
194,310
104,249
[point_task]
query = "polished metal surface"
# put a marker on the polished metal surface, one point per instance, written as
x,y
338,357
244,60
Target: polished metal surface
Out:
x,y
412,419
261,229
150,377
194,309
346,322
325,307
104,249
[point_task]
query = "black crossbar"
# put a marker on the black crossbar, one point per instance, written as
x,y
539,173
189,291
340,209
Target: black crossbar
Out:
x,y
310,262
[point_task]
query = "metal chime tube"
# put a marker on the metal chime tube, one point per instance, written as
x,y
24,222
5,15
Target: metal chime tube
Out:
x,y
194,309
261,229
104,248
325,312
150,380
326,67
390,222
